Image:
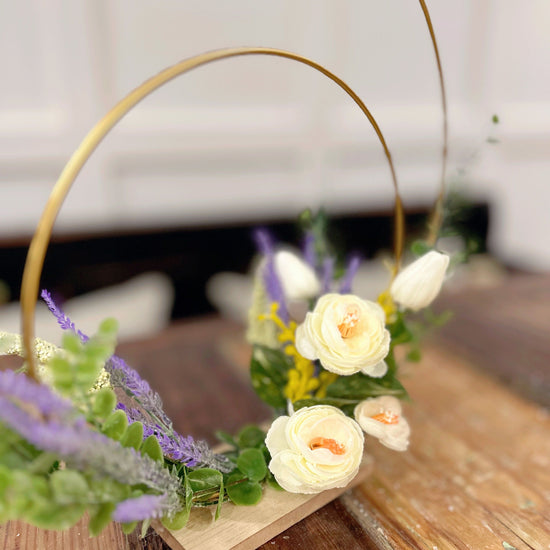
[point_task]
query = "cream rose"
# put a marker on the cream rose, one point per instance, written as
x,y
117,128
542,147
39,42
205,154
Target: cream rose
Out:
x,y
381,417
315,449
347,334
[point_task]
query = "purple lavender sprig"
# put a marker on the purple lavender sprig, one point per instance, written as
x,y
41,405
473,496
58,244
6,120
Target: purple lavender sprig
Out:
x,y
351,271
79,446
195,454
328,272
308,249
125,377
273,286
21,387
144,507
62,320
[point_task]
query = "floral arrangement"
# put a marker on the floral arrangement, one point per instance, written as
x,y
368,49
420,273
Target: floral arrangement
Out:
x,y
82,432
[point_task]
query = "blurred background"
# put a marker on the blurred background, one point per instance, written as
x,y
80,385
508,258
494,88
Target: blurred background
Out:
x,y
178,185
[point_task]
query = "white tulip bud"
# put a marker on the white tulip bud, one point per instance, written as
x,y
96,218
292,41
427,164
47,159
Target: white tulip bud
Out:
x,y
419,283
297,278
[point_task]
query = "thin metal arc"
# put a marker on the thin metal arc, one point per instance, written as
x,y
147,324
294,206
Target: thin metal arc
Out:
x,y
37,249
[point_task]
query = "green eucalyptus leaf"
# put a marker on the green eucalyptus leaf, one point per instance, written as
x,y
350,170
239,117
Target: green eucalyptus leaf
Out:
x,y
204,478
269,374
250,436
100,518
133,436
251,463
115,425
151,447
104,402
245,493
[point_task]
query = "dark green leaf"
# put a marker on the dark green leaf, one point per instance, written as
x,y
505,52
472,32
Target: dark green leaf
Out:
x,y
245,493
414,355
360,386
268,371
204,478
250,436
251,463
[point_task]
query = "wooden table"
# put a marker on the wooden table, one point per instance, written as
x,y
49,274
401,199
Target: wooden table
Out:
x,y
477,474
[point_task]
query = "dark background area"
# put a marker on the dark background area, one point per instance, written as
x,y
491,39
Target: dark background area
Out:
x,y
190,256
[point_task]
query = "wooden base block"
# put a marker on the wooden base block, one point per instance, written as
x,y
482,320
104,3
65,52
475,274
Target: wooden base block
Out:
x,y
247,527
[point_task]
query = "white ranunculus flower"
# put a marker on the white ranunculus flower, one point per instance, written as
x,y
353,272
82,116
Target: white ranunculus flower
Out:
x,y
347,334
381,417
297,278
315,449
420,282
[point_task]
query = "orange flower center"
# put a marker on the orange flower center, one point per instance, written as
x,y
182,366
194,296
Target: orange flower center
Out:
x,y
331,444
386,417
349,325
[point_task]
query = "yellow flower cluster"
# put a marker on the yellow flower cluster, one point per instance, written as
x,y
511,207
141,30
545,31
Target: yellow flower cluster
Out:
x,y
302,382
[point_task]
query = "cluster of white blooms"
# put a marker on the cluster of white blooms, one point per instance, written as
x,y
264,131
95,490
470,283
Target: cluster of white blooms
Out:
x,y
319,447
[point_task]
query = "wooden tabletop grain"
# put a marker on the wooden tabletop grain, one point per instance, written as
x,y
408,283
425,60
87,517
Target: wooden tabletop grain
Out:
x,y
477,473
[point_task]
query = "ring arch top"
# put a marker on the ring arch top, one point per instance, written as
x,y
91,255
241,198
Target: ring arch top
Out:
x,y
41,238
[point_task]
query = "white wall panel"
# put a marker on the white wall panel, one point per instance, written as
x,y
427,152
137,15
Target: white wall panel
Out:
x,y
250,137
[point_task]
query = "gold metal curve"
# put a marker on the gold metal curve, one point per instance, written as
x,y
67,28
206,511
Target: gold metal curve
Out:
x,y
41,238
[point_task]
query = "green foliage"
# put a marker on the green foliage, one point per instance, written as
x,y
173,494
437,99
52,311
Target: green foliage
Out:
x,y
128,528
269,373
178,521
250,436
420,247
251,463
75,371
151,448
133,436
204,479
68,487
103,403
243,492
100,517
115,425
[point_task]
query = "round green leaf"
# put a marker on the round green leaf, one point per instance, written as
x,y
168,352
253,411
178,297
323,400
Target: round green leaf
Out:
x,y
245,493
104,402
115,425
250,436
177,522
204,478
68,486
151,448
251,463
101,518
133,436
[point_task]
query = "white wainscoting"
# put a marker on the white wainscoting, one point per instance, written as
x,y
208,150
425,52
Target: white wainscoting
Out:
x,y
256,138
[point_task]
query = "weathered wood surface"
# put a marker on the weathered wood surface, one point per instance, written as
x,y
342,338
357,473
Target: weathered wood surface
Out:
x,y
477,474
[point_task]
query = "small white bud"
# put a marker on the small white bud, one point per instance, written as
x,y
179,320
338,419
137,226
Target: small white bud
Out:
x,y
420,282
297,278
